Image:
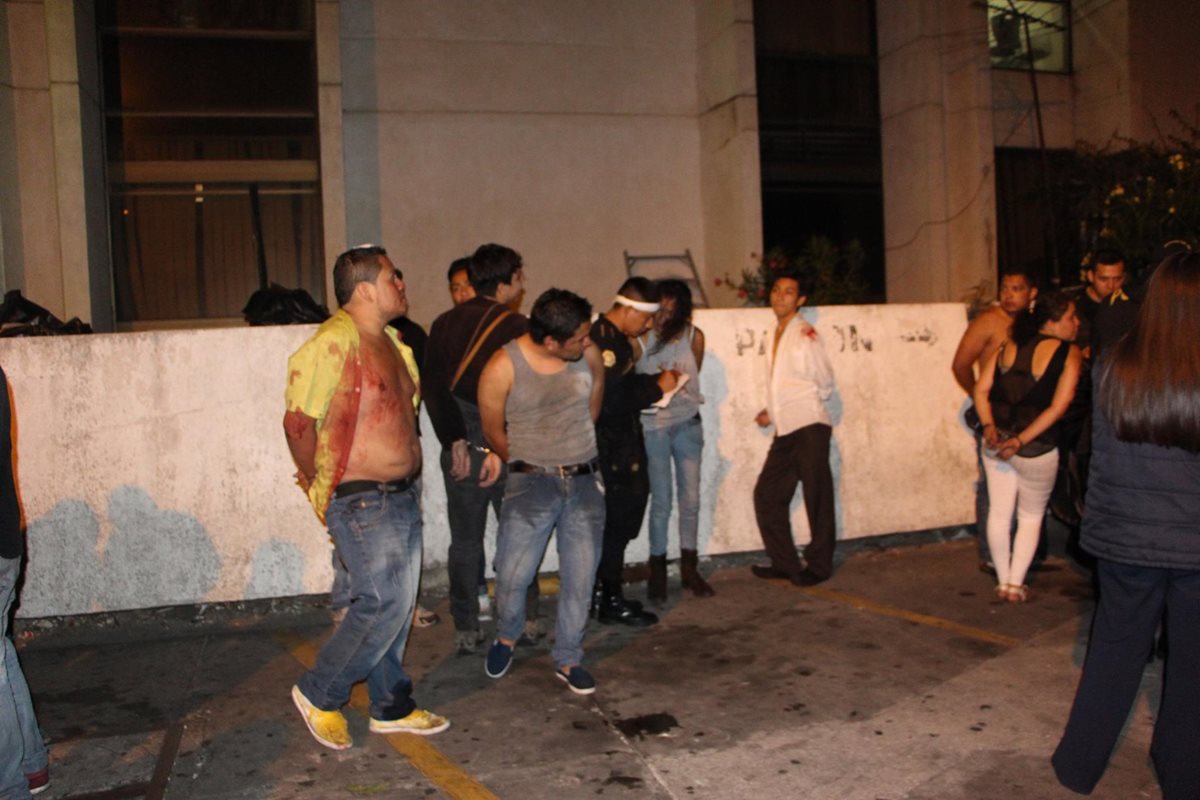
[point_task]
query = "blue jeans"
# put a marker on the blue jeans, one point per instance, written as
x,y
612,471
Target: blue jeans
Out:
x,y
681,443
378,537
534,505
22,751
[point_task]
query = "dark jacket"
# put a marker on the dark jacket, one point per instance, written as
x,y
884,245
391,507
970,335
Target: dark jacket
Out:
x,y
450,338
1143,502
12,540
626,392
619,428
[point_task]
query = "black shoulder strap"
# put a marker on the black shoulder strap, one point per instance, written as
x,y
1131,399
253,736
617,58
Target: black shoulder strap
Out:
x,y
477,340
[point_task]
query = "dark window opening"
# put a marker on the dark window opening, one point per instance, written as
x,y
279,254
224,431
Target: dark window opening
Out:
x,y
819,143
211,141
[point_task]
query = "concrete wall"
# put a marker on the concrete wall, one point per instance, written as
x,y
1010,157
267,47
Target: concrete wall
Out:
x,y
153,468
729,163
1164,63
9,208
1102,84
1133,64
939,205
567,130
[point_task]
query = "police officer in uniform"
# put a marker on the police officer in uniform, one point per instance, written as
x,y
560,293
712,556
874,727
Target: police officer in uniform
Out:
x,y
619,439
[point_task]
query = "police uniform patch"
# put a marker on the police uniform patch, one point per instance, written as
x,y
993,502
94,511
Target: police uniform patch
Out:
x,y
609,357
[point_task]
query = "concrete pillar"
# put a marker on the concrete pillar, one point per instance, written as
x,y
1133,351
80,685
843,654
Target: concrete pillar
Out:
x,y
329,118
730,175
9,255
939,189
31,213
55,218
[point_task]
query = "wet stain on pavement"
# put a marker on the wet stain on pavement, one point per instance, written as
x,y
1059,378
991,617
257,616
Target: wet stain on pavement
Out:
x,y
628,781
648,724
864,646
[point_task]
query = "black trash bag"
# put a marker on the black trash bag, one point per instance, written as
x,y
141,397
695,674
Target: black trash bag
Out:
x,y
22,317
278,305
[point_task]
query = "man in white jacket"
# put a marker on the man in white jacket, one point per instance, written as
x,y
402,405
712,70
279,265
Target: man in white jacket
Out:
x,y
799,384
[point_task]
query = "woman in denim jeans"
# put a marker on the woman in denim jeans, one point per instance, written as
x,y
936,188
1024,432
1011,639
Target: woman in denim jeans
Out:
x,y
674,434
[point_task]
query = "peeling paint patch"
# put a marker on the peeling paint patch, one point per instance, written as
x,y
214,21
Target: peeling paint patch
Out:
x,y
155,555
277,570
62,576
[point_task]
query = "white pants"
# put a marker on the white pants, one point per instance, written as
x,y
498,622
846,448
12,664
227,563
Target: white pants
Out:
x,y
1024,484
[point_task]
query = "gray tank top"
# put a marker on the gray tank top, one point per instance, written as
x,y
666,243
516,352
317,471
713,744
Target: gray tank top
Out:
x,y
549,423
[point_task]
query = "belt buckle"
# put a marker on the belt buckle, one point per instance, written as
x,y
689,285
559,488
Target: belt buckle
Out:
x,y
563,473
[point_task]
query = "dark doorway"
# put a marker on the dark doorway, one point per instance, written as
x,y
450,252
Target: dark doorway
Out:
x,y
818,110
1030,223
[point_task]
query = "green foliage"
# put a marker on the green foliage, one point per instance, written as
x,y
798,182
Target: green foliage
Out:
x,y
836,273
1135,196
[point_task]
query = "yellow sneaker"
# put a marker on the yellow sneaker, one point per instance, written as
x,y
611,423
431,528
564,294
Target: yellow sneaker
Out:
x,y
420,722
327,727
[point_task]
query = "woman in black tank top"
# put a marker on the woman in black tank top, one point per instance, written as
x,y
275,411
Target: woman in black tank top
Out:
x,y
1023,390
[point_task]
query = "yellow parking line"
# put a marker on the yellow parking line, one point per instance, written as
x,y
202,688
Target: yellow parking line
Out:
x,y
921,619
432,763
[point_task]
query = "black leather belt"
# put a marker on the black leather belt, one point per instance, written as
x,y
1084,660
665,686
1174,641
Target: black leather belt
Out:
x,y
567,471
383,487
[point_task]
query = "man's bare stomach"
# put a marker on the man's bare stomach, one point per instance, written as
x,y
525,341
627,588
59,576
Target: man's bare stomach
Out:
x,y
383,457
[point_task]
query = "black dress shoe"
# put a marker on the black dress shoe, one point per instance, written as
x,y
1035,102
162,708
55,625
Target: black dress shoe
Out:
x,y
807,578
617,611
768,572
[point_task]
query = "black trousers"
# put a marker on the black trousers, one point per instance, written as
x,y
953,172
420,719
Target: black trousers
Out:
x,y
466,511
626,493
1131,603
802,457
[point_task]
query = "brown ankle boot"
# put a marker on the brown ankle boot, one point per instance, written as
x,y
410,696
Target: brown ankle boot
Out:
x,y
656,586
692,579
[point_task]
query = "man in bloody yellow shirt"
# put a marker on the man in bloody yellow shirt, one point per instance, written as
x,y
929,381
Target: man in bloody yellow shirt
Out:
x,y
352,431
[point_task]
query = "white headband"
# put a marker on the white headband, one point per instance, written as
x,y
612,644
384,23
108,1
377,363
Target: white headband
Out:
x,y
636,305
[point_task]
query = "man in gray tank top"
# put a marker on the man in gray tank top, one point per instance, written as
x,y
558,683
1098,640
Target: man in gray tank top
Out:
x,y
539,397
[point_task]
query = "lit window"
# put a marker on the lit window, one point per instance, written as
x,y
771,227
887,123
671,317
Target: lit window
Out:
x,y
1025,31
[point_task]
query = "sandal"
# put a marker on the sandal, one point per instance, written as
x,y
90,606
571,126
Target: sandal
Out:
x,y
424,618
1002,591
1018,594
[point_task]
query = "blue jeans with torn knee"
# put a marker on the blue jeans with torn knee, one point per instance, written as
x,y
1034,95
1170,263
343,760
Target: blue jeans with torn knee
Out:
x,y
680,444
534,505
378,537
22,750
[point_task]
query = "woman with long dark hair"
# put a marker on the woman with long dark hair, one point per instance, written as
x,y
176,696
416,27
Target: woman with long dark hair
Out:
x,y
1142,523
674,436
1023,390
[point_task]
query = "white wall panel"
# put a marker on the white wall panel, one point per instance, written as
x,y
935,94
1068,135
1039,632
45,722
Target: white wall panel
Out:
x,y
154,471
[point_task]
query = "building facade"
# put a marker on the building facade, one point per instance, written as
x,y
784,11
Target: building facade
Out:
x,y
574,132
